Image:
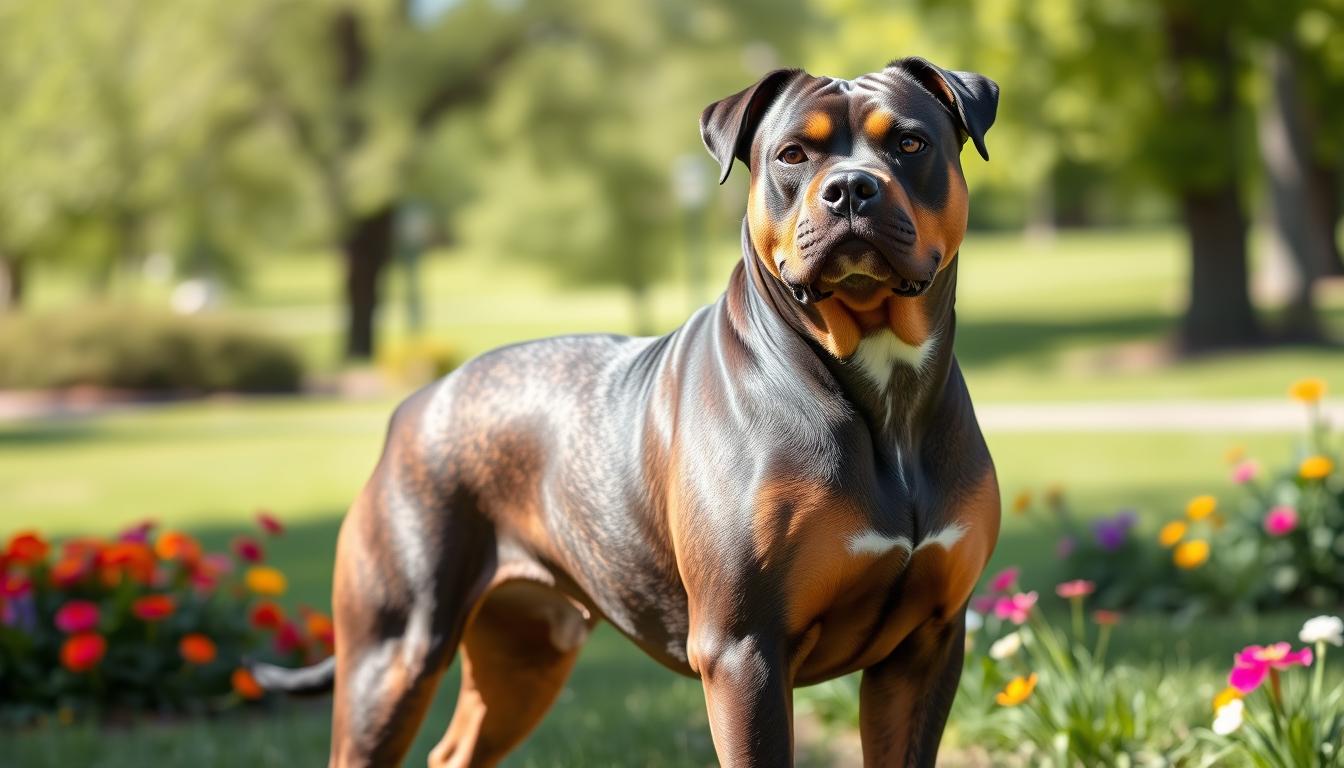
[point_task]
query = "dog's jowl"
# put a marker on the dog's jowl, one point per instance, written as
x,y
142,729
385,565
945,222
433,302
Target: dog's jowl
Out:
x,y
788,488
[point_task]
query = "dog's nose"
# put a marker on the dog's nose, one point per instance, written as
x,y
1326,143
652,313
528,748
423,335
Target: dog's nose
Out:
x,y
846,192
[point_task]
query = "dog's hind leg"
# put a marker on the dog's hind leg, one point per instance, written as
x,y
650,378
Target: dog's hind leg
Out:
x,y
408,574
516,655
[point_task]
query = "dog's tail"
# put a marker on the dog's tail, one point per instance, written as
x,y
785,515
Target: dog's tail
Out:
x,y
305,681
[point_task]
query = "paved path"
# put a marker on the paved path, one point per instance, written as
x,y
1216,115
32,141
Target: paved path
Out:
x,y
1278,415
1263,415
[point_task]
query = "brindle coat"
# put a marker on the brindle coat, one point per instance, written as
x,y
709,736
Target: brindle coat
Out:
x,y
790,487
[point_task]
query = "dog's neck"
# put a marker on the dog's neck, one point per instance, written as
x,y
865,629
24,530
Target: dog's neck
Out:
x,y
896,371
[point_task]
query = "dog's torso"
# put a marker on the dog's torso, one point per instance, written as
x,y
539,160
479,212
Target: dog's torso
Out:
x,y
721,468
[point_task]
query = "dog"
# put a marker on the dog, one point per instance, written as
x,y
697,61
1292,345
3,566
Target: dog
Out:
x,y
790,487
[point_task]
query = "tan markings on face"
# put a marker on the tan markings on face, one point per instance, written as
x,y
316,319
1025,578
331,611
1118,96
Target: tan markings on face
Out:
x,y
817,127
908,319
877,124
765,232
943,230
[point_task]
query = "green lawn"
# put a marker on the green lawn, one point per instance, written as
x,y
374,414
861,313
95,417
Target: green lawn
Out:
x,y
206,467
1084,317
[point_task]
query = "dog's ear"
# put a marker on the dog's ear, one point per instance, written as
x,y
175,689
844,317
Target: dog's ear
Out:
x,y
972,99
728,125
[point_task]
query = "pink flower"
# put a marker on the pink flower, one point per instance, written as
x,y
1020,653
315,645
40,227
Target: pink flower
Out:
x,y
1015,608
982,604
1005,580
1245,472
77,616
1254,663
1076,588
1281,520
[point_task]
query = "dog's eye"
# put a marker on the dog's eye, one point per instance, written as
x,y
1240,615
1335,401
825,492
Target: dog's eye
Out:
x,y
910,144
792,155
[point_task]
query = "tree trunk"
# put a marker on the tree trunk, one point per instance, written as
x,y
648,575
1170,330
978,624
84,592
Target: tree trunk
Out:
x,y
1286,150
1325,193
1219,315
367,248
11,283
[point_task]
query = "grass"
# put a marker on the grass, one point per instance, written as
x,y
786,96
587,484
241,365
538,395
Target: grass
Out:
x,y
1091,309
205,467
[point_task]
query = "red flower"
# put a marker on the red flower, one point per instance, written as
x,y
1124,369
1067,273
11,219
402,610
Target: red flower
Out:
x,y
269,523
77,616
1106,618
14,585
126,559
248,548
138,533
197,649
27,548
287,638
82,652
153,607
267,615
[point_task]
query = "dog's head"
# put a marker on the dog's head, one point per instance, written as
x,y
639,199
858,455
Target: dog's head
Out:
x,y
856,186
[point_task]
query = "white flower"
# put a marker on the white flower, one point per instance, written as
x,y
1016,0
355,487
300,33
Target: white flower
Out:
x,y
974,621
1228,718
1322,629
1006,646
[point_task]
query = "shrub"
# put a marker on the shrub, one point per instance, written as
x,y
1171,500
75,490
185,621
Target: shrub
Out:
x,y
1280,544
142,623
126,348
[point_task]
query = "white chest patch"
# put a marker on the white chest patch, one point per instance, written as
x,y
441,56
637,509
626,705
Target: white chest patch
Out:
x,y
878,353
871,542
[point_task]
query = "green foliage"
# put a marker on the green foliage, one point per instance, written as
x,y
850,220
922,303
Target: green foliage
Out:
x,y
123,348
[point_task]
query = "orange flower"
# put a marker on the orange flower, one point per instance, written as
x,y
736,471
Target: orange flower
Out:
x,y
68,571
265,580
1316,468
27,548
1171,533
320,628
82,652
1022,503
1191,554
153,607
126,559
1017,691
267,615
197,649
1309,390
1201,507
245,685
175,545
1224,696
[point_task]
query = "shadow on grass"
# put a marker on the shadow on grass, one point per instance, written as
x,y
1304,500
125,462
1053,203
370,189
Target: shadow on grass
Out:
x,y
987,342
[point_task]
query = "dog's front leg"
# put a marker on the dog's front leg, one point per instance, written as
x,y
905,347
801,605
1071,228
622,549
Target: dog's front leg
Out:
x,y
904,699
748,697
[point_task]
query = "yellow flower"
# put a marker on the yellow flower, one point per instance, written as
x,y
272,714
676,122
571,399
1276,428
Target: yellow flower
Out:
x,y
265,580
1016,691
1201,507
1022,503
1224,696
1235,454
1191,554
1172,533
1307,390
1316,468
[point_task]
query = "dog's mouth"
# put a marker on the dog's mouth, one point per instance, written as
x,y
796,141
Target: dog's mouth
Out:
x,y
857,269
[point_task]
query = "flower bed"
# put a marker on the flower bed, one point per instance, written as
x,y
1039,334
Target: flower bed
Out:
x,y
1042,696
143,622
1276,540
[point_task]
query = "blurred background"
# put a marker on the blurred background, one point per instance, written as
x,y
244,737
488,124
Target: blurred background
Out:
x,y
328,203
